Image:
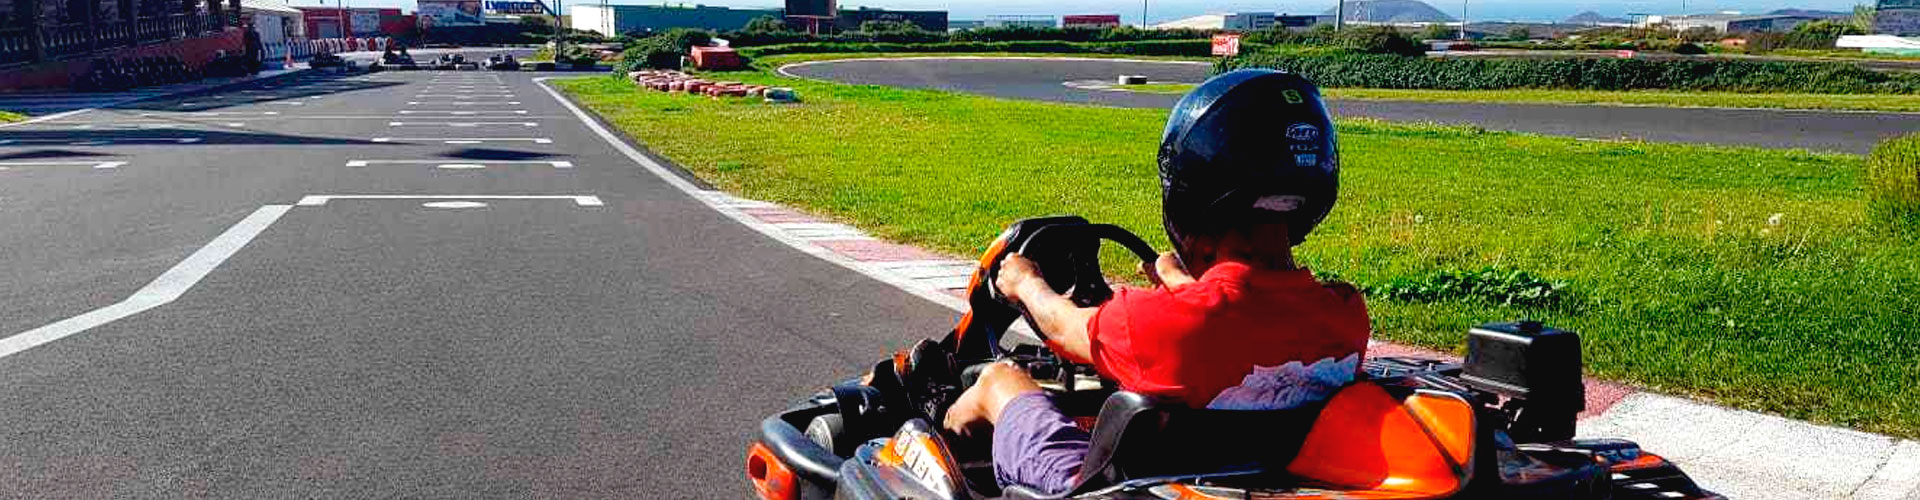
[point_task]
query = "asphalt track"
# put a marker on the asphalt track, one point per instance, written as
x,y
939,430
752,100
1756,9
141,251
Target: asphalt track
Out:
x,y
410,347
1045,79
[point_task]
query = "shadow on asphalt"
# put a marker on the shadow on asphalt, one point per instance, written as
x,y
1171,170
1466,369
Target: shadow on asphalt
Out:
x,y
293,87
494,154
183,137
42,154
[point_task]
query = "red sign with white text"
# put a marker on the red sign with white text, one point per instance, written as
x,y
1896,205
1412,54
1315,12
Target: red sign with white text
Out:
x,y
1226,44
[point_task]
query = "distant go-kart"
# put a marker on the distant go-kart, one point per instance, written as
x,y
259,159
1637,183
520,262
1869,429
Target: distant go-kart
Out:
x,y
1499,425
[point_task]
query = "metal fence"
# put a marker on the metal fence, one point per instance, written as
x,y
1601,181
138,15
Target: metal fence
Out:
x,y
49,42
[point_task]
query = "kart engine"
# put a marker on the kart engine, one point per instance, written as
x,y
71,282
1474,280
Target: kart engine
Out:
x,y
1536,369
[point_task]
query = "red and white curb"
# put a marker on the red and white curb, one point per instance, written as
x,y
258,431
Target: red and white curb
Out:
x,y
1743,455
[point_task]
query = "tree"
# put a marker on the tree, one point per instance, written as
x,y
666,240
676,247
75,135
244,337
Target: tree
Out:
x,y
1863,16
1437,31
1519,34
766,24
883,26
1828,29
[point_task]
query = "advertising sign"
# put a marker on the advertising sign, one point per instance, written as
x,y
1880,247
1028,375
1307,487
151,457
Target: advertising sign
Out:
x,y
447,13
1226,44
517,7
1090,21
365,22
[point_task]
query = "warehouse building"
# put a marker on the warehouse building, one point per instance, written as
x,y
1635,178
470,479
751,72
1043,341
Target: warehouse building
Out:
x,y
614,20
929,20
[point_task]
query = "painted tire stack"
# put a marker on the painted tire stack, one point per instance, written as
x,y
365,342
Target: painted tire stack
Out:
x,y
675,81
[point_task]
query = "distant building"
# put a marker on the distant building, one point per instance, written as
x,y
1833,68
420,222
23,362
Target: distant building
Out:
x,y
1090,21
929,20
614,20
1009,21
1897,18
1245,21
1732,22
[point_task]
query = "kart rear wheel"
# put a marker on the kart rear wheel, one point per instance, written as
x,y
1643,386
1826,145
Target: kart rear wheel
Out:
x,y
825,430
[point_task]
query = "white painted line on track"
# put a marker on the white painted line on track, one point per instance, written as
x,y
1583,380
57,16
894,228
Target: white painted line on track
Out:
x,y
462,103
163,290
463,113
465,140
94,164
319,200
554,163
466,96
713,200
459,124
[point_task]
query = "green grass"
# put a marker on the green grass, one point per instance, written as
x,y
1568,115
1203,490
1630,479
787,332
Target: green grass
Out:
x,y
1673,271
1846,102
10,117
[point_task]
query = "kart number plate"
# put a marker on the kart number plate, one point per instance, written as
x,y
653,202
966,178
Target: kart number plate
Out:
x,y
920,457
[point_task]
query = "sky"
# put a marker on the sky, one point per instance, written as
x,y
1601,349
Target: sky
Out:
x,y
1164,10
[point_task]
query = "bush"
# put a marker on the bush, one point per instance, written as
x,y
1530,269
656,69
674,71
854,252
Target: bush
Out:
x,y
1689,49
1381,40
1145,48
656,52
1491,286
1394,72
1893,184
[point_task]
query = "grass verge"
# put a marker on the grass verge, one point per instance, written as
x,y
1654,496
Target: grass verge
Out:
x,y
1835,102
1746,276
10,117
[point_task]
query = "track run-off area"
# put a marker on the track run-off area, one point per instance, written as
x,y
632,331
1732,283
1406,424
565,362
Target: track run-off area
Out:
x,y
1058,79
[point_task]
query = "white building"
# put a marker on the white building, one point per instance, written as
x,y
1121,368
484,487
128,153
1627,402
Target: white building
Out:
x,y
1030,21
279,25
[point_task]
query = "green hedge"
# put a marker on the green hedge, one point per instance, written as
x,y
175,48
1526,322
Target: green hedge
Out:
x,y
1893,184
1145,48
1395,72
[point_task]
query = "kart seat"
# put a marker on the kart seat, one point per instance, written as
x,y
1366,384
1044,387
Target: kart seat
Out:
x,y
1363,443
1138,436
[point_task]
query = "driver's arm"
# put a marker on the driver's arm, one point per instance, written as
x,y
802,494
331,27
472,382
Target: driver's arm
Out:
x,y
1063,323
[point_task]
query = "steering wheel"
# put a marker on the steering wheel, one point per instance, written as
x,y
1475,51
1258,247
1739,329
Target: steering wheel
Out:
x,y
1067,256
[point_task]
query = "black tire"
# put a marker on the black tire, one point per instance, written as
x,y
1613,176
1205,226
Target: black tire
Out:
x,y
827,430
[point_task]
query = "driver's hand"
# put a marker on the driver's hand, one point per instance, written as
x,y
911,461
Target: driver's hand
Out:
x,y
980,406
1167,271
1016,272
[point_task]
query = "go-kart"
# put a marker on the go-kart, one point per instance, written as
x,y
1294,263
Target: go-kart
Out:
x,y
504,62
1499,425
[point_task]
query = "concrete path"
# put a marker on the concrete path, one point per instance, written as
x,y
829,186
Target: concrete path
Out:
x,y
1047,79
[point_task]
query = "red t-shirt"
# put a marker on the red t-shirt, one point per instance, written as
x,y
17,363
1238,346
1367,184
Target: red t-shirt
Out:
x,y
1193,341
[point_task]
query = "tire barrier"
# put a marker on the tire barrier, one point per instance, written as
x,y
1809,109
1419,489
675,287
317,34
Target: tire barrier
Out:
x,y
675,81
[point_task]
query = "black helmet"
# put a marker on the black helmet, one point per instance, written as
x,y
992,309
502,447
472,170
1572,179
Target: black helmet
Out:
x,y
1248,146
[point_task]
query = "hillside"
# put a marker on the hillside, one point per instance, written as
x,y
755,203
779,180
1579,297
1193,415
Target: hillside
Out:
x,y
1393,11
1592,18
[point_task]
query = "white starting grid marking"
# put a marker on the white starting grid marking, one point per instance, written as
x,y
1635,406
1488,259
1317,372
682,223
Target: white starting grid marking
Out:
x,y
465,140
320,200
182,277
461,103
94,164
214,113
462,113
459,124
467,96
457,164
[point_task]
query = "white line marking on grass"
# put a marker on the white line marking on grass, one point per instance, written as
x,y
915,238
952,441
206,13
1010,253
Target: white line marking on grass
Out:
x,y
320,200
163,290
